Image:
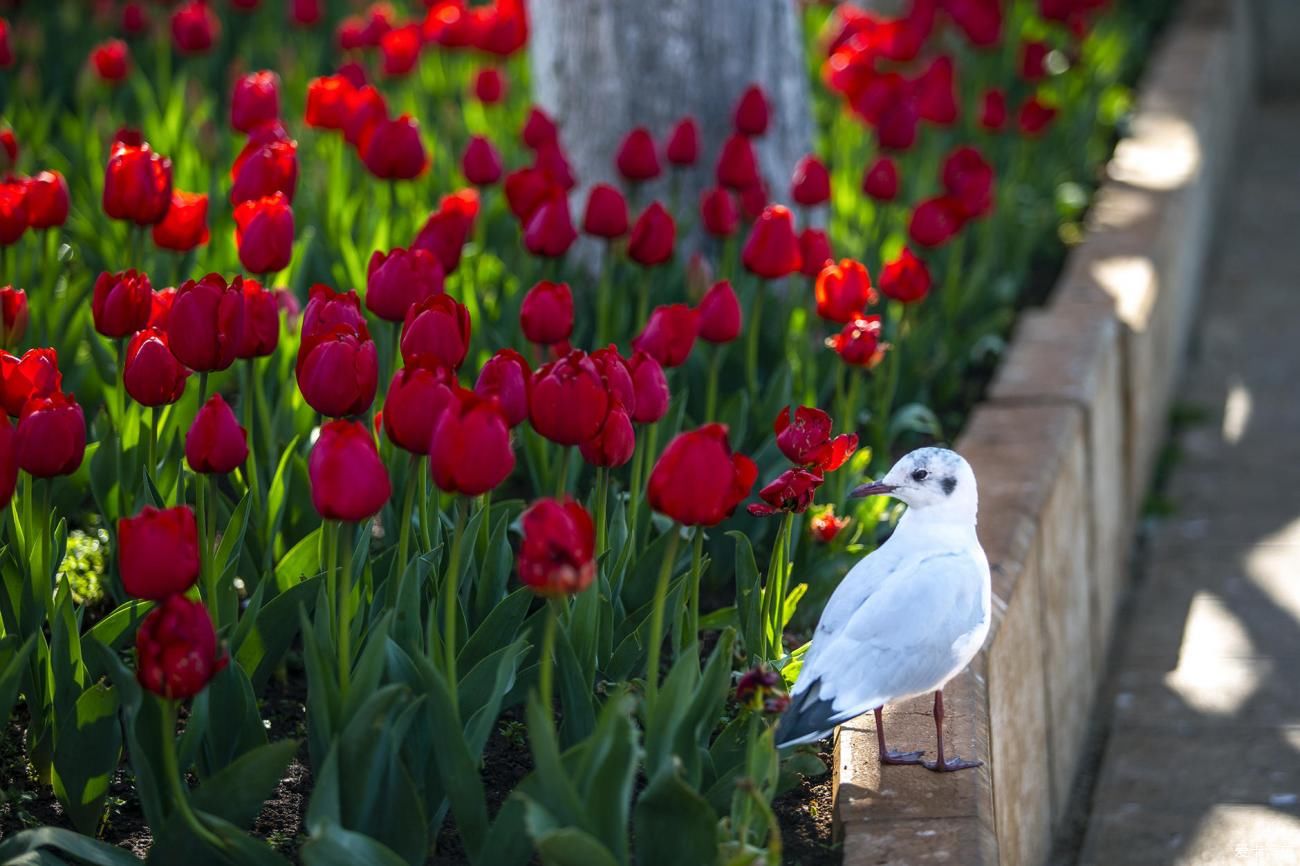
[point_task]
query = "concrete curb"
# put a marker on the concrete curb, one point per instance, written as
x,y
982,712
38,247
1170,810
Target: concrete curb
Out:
x,y
1064,448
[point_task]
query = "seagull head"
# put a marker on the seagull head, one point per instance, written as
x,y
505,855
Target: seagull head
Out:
x,y
931,480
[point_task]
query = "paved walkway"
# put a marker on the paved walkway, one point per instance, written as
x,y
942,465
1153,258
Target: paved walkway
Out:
x,y
1202,764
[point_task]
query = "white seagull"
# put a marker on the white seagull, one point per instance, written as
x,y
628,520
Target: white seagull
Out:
x,y
907,618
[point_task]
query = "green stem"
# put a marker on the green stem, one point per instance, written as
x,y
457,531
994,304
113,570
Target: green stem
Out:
x,y
602,507
602,296
657,614
250,413
344,606
203,387
180,794
485,524
408,503
152,452
753,331
426,533
697,560
451,600
546,661
121,427
205,560
562,473
715,367
47,546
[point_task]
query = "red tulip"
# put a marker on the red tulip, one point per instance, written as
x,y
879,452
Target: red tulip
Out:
x,y
8,462
161,307
392,150
6,50
669,335
568,401
13,306
551,161
753,200
651,387
881,180
737,165
327,309
176,649
186,224
1034,117
134,19
636,159
606,214
697,480
348,480
260,333
215,443
936,92
615,443
400,49
1033,60
684,143
550,230
397,280
507,378
194,27
808,442
255,100
338,372
206,322
327,101
906,278
35,374
844,290
791,492
137,184
153,376
416,397
304,13
111,59
539,129
470,452
762,690
653,237
772,249
811,184
365,109
51,437
481,164
557,555
858,344
814,252
445,232
436,333
993,110
8,144
527,189
719,314
718,212
13,211
752,113
935,221
968,180
616,376
825,526
980,20
121,303
489,85
46,200
546,315
264,233
263,168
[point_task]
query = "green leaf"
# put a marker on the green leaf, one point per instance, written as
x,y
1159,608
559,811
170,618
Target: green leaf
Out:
x,y
331,845
118,628
608,773
54,839
575,691
674,824
88,746
232,539
749,594
234,721
562,846
301,562
458,768
482,689
11,676
792,599
272,630
500,628
237,792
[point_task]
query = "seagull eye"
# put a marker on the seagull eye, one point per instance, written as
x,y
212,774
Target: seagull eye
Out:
x,y
919,475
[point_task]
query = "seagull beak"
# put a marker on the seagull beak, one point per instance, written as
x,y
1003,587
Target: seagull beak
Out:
x,y
875,488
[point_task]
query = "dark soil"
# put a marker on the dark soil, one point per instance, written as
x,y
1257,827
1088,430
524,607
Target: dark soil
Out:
x,y
806,816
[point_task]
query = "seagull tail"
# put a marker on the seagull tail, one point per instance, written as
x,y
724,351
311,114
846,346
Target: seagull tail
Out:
x,y
808,718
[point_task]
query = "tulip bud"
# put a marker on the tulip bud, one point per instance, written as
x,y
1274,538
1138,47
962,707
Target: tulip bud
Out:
x,y
435,333
557,554
111,60
993,110
719,314
264,233
397,280
445,232
697,480
1034,117
255,100
47,200
737,166
636,159
719,213
481,163
935,221
158,552
539,129
881,180
684,143
752,112
470,452
489,85
669,334
614,444
550,232
811,184
152,375
348,480
35,374
651,387
551,161
400,48
206,322
215,443
392,150
195,27
415,399
8,462
13,315
568,401
546,315
264,167
305,13
176,649
13,211
185,226
507,378
327,308
906,278
260,333
606,214
968,179
814,252
365,108
653,237
134,19
327,101
825,526
842,291
935,90
527,189
1033,60
51,438
338,372
121,303
858,344
137,184
772,249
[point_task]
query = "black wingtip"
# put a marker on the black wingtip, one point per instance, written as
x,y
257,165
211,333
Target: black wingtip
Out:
x,y
809,717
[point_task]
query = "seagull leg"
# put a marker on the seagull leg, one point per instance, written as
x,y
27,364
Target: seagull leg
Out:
x,y
886,756
951,764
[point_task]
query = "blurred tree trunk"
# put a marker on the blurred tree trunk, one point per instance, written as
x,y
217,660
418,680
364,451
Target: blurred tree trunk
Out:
x,y
602,67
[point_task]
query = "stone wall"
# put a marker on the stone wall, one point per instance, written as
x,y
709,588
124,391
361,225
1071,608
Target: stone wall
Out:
x,y
1064,449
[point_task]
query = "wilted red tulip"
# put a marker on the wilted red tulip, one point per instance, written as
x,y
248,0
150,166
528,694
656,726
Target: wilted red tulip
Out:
x,y
825,526
684,142
762,690
186,224
121,303
843,290
13,306
719,314
935,221
811,184
1034,117
111,59
539,129
327,101
858,344
1033,60
338,372
737,166
215,443
399,279
365,108
481,164
653,236
669,334
137,184
176,649
636,159
400,49
445,232
264,168
264,233
808,442
489,85
435,333
470,452
557,554
206,322
881,180
752,113
814,252
772,249
47,200
568,400
327,308
906,278
550,231
392,150
651,388
255,100
993,110
152,375
790,492
348,480
697,480
718,212
194,27
968,180
546,314
416,397
615,443
507,378
35,374
13,211
606,214
51,437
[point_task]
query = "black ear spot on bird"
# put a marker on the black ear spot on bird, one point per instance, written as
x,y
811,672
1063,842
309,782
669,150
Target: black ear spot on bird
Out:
x,y
949,485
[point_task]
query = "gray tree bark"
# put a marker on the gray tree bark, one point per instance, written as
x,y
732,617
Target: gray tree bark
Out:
x,y
602,67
